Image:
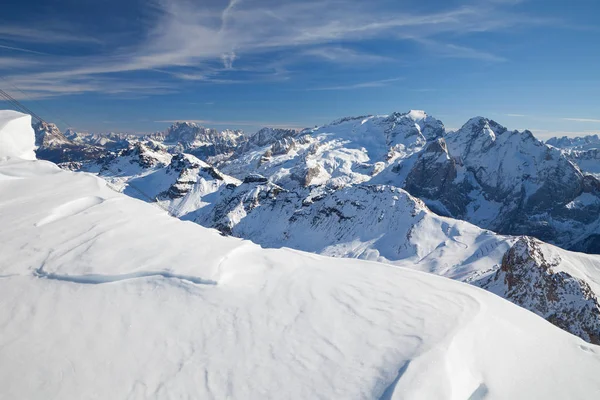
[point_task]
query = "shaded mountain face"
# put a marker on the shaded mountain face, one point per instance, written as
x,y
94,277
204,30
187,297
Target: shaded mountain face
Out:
x,y
506,181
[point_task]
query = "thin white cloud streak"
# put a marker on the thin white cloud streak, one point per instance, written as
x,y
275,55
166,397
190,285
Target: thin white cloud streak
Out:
x,y
345,55
22,50
44,35
189,35
449,50
593,120
35,90
361,85
10,62
516,115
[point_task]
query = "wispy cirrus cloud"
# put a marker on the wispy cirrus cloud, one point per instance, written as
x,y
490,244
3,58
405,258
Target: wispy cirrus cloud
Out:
x,y
592,120
21,50
37,34
360,85
345,55
9,62
209,41
449,50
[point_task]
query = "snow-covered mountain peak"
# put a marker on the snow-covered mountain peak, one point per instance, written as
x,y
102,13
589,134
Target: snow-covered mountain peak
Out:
x,y
384,137
481,126
192,133
414,123
480,135
417,114
48,135
267,136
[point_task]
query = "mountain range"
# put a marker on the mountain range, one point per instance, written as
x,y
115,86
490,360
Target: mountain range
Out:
x,y
396,189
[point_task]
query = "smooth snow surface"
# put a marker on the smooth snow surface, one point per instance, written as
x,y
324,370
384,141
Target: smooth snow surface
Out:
x,y
107,297
16,136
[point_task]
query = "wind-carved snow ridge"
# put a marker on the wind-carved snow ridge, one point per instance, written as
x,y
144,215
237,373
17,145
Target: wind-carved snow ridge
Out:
x,y
71,208
95,279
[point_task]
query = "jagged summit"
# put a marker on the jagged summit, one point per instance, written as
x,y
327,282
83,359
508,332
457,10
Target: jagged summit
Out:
x,y
192,133
267,136
48,135
588,142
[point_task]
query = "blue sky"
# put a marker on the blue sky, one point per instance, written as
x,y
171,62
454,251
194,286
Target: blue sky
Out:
x,y
137,65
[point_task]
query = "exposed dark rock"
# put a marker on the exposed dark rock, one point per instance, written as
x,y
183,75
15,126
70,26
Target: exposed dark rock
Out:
x,y
255,178
530,280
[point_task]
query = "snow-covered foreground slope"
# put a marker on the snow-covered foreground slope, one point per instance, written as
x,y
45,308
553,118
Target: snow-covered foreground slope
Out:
x,y
104,296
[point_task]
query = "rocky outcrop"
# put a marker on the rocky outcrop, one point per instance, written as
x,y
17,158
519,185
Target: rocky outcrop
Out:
x,y
255,178
531,280
190,172
143,155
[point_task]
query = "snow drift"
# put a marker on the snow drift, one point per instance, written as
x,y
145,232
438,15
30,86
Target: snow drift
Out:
x,y
105,296
16,136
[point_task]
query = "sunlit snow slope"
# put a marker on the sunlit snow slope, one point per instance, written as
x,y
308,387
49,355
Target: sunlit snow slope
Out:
x,y
104,296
